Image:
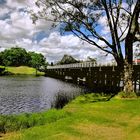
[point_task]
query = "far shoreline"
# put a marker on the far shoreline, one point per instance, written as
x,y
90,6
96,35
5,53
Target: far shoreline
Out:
x,y
20,70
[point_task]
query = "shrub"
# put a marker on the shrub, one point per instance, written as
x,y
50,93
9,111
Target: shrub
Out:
x,y
2,124
122,94
9,123
61,99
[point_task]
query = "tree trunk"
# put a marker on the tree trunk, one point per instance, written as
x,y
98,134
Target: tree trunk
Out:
x,y
128,67
128,79
129,40
36,71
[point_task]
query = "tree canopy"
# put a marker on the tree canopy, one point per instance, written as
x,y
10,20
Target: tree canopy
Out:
x,y
14,57
18,56
67,59
36,60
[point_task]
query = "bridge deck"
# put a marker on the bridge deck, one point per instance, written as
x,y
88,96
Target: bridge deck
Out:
x,y
104,77
80,65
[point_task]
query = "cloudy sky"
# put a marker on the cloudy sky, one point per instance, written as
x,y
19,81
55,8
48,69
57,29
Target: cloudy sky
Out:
x,y
16,28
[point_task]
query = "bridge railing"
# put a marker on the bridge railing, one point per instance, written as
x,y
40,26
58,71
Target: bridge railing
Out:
x,y
80,65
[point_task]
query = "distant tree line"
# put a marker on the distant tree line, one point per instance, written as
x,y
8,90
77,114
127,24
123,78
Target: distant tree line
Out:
x,y
67,59
20,57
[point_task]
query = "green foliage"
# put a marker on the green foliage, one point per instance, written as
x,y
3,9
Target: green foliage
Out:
x,y
1,58
18,57
61,100
36,60
14,57
2,69
93,97
10,123
122,94
67,59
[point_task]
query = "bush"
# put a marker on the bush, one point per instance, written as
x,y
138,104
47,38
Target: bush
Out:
x,y
2,124
9,123
61,100
122,94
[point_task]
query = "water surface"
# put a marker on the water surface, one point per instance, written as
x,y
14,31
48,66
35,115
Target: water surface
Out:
x,y
20,94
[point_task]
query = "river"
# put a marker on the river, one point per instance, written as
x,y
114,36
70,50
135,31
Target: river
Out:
x,y
26,94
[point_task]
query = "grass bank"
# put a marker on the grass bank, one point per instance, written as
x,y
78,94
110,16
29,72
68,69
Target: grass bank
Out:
x,y
22,70
87,118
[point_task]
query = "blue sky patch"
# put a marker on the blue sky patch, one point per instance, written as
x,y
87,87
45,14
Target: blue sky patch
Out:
x,y
39,36
5,16
22,10
2,1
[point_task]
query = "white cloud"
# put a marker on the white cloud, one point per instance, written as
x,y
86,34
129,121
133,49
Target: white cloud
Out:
x,y
18,30
20,25
28,41
19,3
3,11
55,46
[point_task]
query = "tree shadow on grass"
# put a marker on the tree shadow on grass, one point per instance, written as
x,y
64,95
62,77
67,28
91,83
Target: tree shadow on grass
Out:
x,y
96,97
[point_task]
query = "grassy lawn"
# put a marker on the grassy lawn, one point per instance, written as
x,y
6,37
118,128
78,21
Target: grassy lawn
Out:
x,y
23,70
84,119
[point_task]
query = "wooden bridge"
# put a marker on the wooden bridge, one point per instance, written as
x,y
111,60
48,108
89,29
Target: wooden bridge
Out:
x,y
107,78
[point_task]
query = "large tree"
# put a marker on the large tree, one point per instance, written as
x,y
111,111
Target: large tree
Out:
x,y
83,18
67,59
36,60
14,56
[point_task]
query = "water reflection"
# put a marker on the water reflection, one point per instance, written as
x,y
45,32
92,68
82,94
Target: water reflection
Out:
x,y
20,94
